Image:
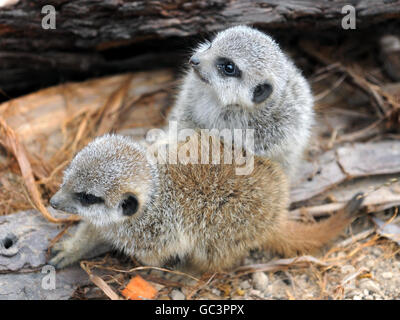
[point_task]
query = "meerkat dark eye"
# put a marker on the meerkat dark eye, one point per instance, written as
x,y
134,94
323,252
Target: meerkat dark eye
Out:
x,y
130,205
261,92
87,199
227,68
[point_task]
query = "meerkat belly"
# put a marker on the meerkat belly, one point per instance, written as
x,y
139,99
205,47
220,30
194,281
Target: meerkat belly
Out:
x,y
162,245
171,254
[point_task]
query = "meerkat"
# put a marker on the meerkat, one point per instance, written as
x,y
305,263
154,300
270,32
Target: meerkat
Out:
x,y
242,80
196,217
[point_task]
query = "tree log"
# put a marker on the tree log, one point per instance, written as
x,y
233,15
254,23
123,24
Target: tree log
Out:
x,y
109,36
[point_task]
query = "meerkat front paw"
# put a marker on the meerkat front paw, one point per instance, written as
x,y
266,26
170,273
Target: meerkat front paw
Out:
x,y
63,255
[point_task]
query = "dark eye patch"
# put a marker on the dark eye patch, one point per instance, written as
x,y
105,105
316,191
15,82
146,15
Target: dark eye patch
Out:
x,y
228,68
261,92
87,199
130,205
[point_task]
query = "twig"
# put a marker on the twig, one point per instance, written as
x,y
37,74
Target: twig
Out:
x,y
200,287
99,282
326,92
280,264
361,134
357,237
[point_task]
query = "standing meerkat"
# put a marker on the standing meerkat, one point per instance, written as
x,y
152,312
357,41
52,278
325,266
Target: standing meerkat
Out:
x,y
199,217
243,80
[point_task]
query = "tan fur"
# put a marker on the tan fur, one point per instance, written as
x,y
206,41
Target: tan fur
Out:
x,y
230,214
248,211
301,238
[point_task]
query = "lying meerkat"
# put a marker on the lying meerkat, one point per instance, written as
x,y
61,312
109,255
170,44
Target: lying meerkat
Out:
x,y
243,80
199,217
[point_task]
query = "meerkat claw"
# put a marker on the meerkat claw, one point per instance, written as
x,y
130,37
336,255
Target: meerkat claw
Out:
x,y
61,260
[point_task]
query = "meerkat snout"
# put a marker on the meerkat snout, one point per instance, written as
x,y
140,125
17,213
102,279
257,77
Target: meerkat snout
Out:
x,y
194,61
54,202
61,201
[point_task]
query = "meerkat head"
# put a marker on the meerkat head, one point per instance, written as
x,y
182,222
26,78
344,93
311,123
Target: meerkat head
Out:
x,y
243,66
108,181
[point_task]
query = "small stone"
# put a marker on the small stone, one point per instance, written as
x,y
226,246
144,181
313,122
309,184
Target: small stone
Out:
x,y
348,268
255,292
370,263
369,285
216,292
191,282
260,280
352,293
245,285
177,295
356,298
157,286
387,275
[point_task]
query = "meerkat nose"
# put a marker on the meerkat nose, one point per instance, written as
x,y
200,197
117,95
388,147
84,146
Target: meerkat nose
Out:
x,y
54,203
194,61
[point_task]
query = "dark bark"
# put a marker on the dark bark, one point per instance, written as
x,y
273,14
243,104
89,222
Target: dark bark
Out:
x,y
108,36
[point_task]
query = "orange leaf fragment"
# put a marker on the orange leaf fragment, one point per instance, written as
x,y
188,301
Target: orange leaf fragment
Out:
x,y
139,289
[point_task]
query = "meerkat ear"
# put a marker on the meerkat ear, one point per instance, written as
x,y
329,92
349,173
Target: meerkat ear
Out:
x,y
129,205
261,92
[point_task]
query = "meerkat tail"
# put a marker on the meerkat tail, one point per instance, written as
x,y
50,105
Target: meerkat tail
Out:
x,y
297,237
